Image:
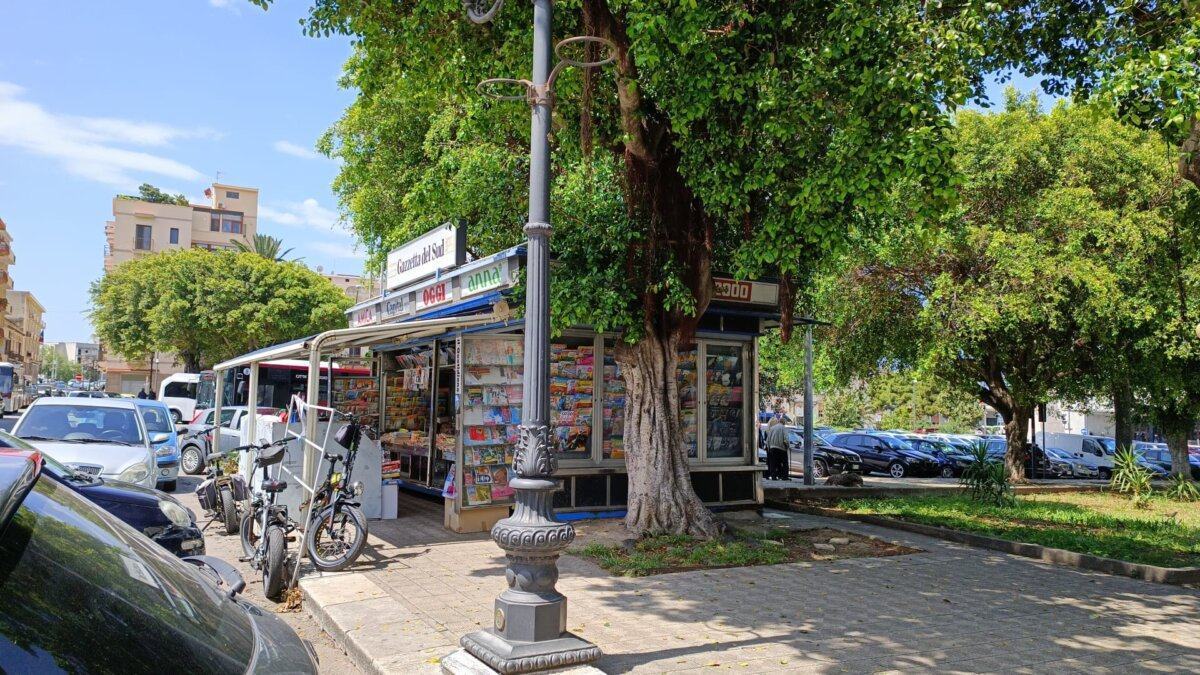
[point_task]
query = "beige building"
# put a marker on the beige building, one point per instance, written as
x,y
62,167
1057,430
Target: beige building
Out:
x,y
140,227
357,288
7,259
23,339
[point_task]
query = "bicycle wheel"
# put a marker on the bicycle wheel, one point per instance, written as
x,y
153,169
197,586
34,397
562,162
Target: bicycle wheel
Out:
x,y
229,511
249,533
274,571
336,537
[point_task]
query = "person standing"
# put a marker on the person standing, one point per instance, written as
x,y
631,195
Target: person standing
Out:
x,y
776,449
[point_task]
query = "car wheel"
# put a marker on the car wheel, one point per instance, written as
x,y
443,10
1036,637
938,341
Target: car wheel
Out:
x,y
896,470
819,469
947,472
176,417
191,461
1105,474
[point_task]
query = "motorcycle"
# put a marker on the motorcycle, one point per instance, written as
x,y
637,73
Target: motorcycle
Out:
x,y
221,494
337,528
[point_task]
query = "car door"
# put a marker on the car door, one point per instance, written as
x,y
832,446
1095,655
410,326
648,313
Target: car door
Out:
x,y
872,452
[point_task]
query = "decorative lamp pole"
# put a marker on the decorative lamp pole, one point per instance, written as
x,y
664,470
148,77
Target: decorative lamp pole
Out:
x,y
530,620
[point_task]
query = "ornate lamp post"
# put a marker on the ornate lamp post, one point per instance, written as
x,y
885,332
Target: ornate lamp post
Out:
x,y
530,626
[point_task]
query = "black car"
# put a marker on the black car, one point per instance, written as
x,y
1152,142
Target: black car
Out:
x,y
827,459
81,591
155,514
954,460
888,454
1037,465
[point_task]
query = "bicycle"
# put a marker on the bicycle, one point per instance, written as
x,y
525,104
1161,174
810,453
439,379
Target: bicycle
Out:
x,y
221,494
268,553
337,528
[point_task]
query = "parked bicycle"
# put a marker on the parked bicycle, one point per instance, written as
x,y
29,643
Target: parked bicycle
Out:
x,y
221,494
269,553
337,528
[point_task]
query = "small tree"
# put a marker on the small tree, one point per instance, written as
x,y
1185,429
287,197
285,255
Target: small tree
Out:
x,y
267,246
149,193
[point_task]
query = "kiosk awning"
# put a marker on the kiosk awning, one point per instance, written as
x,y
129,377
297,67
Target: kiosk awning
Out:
x,y
341,338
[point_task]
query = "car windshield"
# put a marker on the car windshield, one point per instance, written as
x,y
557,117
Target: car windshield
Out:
x,y
897,442
157,419
61,553
1058,452
81,423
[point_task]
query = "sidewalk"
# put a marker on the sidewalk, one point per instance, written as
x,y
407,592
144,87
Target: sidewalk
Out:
x,y
420,588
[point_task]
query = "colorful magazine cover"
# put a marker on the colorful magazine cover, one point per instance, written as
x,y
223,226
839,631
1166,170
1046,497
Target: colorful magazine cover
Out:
x,y
479,494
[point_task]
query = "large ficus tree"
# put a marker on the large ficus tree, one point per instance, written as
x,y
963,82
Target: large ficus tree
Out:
x,y
748,136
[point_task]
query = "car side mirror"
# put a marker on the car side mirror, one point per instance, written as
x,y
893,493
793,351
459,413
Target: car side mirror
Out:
x,y
159,437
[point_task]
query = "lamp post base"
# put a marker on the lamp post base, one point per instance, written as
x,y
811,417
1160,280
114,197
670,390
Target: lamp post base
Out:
x,y
566,653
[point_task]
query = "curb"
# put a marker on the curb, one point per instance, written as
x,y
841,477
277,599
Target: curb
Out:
x,y
1152,573
356,654
831,492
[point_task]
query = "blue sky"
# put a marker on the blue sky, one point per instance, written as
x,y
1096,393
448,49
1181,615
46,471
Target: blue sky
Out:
x,y
98,97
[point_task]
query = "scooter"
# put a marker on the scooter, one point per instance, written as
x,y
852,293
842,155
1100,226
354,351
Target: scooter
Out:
x,y
268,553
221,494
337,528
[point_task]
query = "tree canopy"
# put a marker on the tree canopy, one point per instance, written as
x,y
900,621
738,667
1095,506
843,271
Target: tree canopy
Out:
x,y
1037,270
208,306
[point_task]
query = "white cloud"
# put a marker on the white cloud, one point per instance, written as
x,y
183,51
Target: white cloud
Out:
x,y
226,4
308,213
89,146
338,250
289,148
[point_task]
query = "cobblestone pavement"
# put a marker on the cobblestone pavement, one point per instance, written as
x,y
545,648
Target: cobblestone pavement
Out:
x,y
948,608
331,656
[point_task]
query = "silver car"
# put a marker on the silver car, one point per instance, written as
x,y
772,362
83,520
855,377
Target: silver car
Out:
x,y
101,437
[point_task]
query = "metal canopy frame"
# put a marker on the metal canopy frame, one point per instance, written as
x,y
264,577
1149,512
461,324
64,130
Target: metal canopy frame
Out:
x,y
312,348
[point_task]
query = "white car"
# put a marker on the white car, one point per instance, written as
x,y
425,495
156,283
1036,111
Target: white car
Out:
x,y
101,437
178,391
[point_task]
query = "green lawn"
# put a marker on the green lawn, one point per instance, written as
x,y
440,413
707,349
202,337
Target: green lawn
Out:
x,y
1166,533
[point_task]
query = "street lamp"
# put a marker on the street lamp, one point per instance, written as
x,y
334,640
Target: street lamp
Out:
x,y
529,631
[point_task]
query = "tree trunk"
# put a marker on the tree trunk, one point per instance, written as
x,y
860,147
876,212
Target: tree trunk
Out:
x,y
661,497
1016,430
1177,425
191,362
1122,397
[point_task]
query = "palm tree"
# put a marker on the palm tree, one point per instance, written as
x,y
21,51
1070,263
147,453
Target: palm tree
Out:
x,y
266,246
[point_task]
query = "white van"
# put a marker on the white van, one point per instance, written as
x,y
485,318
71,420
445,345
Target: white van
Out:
x,y
178,391
1094,451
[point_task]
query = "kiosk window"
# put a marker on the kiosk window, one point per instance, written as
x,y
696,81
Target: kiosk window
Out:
x,y
572,382
724,398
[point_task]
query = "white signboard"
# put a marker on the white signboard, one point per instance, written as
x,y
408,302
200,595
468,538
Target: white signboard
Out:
x,y
484,279
393,306
436,250
435,294
364,316
745,292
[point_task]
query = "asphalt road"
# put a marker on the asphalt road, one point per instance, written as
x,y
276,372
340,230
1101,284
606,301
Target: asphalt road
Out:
x,y
331,656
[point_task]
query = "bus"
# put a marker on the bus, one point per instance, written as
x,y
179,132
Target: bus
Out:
x,y
278,381
10,388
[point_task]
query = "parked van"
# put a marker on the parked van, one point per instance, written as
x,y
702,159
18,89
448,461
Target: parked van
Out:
x,y
1095,451
178,391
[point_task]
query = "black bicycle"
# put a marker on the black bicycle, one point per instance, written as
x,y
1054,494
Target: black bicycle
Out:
x,y
221,494
269,553
337,528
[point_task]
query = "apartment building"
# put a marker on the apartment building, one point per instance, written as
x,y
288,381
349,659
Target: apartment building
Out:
x,y
25,327
357,288
139,227
7,259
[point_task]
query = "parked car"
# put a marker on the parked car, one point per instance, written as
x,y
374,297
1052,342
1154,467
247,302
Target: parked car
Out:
x,y
178,391
888,454
1158,455
1037,465
157,418
1098,451
1077,464
155,514
955,460
84,592
827,459
194,448
80,393
101,437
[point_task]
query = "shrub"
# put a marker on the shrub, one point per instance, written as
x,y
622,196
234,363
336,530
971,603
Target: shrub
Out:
x,y
1183,488
1130,478
986,479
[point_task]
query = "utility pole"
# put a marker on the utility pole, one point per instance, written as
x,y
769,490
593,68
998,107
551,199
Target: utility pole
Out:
x,y
529,631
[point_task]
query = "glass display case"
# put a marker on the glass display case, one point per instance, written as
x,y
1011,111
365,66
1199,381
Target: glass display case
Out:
x,y
725,414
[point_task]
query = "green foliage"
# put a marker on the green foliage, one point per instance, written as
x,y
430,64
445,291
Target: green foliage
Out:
x,y
985,479
209,306
56,366
1130,478
149,193
1165,533
844,408
267,246
1182,488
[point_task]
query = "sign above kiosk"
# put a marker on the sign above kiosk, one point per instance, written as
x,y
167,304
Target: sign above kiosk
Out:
x,y
439,249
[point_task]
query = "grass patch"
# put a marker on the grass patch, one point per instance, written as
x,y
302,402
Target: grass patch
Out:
x,y
1164,532
677,553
